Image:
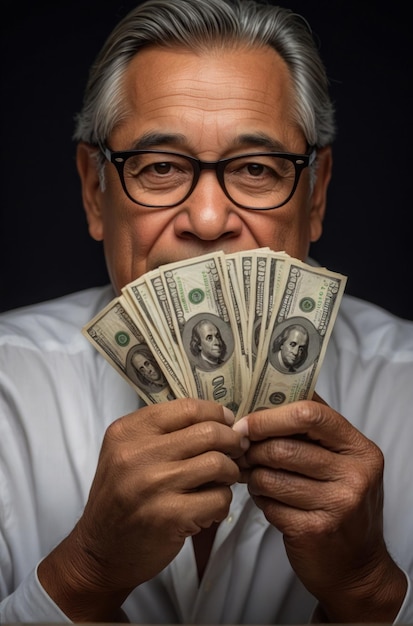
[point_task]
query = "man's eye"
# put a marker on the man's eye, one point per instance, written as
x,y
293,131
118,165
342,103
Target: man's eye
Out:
x,y
244,170
255,169
162,168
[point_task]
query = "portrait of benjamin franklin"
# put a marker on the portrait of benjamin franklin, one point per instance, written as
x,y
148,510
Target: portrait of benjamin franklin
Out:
x,y
208,341
143,370
295,345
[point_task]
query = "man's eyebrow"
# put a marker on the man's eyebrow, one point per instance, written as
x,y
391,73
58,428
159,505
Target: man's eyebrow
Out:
x,y
260,140
152,140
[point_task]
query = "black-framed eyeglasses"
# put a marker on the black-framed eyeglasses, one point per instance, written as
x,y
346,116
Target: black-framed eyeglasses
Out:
x,y
162,179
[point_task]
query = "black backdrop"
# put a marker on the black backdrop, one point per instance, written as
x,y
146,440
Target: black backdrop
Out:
x,y
46,51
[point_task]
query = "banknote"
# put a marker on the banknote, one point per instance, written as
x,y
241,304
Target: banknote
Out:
x,y
206,326
297,337
241,317
117,338
161,338
267,270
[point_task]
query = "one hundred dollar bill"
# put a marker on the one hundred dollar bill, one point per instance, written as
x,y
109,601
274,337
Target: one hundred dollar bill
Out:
x,y
241,318
206,326
116,336
297,336
267,271
160,338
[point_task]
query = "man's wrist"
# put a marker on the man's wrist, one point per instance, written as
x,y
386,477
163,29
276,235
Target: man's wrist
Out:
x,y
378,599
75,595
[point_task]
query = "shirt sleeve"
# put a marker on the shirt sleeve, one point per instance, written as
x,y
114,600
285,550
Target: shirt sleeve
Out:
x,y
31,603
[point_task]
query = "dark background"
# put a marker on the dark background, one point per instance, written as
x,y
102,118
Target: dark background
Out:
x,y
46,50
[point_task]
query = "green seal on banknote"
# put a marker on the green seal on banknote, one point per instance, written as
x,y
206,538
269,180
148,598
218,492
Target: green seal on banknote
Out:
x,y
307,305
196,296
122,338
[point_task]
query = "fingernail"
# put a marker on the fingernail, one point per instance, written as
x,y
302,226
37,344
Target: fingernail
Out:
x,y
241,426
245,443
228,416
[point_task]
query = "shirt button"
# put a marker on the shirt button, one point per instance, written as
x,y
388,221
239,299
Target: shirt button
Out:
x,y
230,519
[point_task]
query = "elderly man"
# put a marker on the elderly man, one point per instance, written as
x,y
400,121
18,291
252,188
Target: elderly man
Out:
x,y
206,126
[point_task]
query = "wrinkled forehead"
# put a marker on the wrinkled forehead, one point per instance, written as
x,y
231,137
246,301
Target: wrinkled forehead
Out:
x,y
242,71
208,92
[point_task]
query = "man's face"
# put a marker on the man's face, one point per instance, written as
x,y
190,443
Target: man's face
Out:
x,y
212,106
210,340
293,346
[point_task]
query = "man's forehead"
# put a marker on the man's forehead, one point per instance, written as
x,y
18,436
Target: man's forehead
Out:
x,y
179,98
181,68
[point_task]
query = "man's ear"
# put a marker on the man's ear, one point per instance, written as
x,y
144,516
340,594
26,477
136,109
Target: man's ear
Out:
x,y
319,195
91,192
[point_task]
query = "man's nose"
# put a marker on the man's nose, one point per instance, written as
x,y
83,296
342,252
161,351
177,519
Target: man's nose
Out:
x,y
208,214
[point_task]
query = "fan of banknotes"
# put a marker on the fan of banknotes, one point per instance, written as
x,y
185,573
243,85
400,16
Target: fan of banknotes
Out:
x,y
248,330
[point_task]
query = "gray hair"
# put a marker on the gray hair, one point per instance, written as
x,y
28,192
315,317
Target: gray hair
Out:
x,y
199,25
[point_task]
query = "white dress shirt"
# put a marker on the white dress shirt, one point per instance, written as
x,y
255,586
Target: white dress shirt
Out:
x,y
57,397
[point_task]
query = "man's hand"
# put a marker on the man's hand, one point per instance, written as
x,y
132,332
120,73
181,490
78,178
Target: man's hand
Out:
x,y
319,481
164,473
